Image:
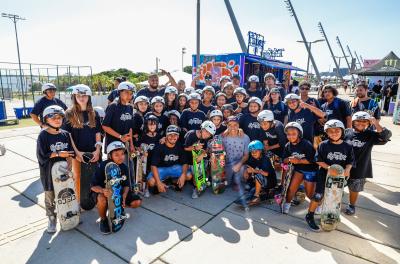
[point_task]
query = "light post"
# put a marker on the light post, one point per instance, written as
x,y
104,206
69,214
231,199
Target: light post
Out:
x,y
183,53
14,19
309,46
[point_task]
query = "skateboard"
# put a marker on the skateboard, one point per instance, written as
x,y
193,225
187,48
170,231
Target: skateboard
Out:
x,y
87,171
281,198
334,185
67,205
199,171
217,164
116,215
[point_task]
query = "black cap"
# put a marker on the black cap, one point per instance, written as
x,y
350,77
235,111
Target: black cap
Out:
x,y
172,129
118,79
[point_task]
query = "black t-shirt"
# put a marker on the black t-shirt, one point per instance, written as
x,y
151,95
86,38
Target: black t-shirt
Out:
x,y
275,135
263,164
256,93
280,110
43,102
231,100
167,157
46,145
114,94
85,137
337,109
120,118
220,129
250,126
302,150
150,94
99,176
306,119
191,120
206,109
341,154
312,101
377,88
163,122
369,106
362,143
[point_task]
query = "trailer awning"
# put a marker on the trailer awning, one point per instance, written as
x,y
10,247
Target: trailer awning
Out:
x,y
275,64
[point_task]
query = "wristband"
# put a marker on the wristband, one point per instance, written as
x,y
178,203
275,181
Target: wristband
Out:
x,y
120,136
98,143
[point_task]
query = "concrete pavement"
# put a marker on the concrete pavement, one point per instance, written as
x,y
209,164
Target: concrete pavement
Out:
x,y
173,228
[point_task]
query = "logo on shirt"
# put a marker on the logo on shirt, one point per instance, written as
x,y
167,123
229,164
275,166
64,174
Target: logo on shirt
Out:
x,y
329,112
254,125
269,135
336,156
59,146
298,155
301,121
357,143
171,157
276,111
195,121
125,117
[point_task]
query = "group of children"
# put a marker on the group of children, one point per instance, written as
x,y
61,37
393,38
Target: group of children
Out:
x,y
260,133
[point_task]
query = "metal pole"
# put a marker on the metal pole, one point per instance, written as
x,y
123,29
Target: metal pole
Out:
x,y
198,38
91,77
33,92
345,57
339,75
362,60
293,13
351,55
1,83
236,27
358,59
79,75
308,59
156,65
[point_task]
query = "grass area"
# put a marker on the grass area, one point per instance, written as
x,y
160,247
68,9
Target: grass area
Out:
x,y
25,122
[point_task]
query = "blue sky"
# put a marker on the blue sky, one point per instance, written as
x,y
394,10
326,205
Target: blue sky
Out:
x,y
123,33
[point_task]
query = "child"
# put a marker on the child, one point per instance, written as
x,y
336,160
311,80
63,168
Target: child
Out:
x,y
141,105
220,100
227,111
182,101
253,88
170,97
216,117
363,139
228,90
301,154
83,123
275,104
260,167
115,153
157,109
192,117
331,151
248,121
240,106
273,135
208,93
197,140
53,144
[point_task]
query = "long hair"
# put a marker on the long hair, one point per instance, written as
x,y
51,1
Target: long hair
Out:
x,y
75,117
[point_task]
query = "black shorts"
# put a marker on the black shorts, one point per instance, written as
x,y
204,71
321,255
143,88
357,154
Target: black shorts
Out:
x,y
130,197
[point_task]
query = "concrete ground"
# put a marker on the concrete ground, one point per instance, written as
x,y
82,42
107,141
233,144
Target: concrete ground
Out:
x,y
173,228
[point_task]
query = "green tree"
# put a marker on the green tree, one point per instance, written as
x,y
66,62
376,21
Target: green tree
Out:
x,y
188,69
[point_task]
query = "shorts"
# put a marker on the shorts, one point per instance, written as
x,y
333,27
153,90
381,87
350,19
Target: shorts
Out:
x,y
173,172
130,197
356,185
265,182
310,176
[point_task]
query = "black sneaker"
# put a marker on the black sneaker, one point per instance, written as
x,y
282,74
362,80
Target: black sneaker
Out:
x,y
311,223
104,227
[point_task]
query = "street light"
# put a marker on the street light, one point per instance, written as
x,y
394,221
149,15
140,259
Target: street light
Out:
x,y
183,53
309,46
15,19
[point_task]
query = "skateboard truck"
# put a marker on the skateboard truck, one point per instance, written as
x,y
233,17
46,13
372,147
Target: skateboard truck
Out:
x,y
116,181
119,219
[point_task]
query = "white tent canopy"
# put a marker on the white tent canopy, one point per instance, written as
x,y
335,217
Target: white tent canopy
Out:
x,y
178,75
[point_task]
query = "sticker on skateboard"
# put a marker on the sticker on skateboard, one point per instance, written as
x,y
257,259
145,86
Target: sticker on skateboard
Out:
x,y
217,166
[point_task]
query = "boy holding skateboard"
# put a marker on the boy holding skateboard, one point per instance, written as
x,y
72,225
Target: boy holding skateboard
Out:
x,y
53,144
259,166
331,151
363,139
115,153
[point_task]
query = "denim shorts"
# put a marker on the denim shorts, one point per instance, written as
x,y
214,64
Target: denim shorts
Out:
x,y
173,172
310,176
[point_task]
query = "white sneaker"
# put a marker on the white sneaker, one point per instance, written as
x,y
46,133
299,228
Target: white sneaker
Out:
x,y
286,208
318,210
146,193
52,225
195,195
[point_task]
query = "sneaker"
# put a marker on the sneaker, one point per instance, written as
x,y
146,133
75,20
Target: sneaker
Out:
x,y
311,223
146,193
255,200
318,211
350,210
104,227
52,225
286,208
195,194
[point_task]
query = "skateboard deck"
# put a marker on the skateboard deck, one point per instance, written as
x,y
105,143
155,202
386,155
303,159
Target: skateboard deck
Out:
x,y
87,171
217,164
116,214
67,205
141,166
199,171
334,185
281,198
